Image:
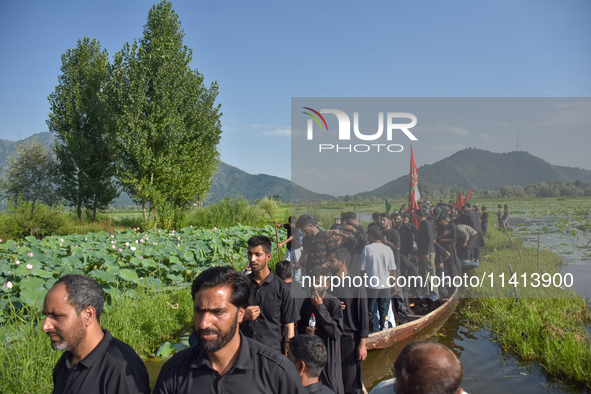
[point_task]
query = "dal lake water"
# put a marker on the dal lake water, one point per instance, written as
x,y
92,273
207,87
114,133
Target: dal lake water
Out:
x,y
487,368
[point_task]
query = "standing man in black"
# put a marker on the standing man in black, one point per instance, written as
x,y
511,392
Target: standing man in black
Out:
x,y
355,320
93,361
426,252
359,231
484,221
329,326
271,312
472,219
392,240
225,361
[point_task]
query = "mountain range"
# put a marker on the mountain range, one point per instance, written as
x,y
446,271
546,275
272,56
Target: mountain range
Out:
x,y
466,169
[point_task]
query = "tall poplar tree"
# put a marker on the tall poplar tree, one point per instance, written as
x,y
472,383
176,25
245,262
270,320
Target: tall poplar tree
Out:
x,y
165,123
85,164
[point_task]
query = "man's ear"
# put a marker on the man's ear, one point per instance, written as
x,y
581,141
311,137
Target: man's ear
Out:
x,y
302,368
88,316
240,315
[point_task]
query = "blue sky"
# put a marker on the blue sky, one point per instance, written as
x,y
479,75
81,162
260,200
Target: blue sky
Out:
x,y
264,53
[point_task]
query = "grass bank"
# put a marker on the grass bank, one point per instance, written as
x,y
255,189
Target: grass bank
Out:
x,y
143,318
546,325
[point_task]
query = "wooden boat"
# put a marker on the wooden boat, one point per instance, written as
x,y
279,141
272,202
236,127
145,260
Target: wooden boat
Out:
x,y
413,324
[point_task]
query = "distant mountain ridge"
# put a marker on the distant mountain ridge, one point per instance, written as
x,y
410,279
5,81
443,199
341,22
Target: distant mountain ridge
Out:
x,y
228,181
481,169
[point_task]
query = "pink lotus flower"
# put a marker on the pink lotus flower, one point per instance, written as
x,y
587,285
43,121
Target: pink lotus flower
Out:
x,y
112,236
62,240
8,285
179,238
29,266
120,250
113,246
133,248
141,257
0,240
136,241
60,244
142,240
127,244
30,254
17,262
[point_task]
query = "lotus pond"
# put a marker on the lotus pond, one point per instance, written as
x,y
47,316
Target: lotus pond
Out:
x,y
123,260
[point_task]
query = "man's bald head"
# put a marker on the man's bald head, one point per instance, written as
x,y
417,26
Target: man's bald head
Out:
x,y
426,367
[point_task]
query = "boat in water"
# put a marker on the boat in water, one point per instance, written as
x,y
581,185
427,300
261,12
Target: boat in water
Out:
x,y
414,325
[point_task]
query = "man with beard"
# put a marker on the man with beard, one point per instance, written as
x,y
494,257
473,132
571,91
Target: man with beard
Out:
x,y
223,359
271,313
355,319
93,361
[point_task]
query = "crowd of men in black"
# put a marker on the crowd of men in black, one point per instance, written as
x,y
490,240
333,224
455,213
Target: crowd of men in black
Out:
x,y
260,331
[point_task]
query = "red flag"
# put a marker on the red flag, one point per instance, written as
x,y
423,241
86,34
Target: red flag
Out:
x,y
413,189
468,196
459,202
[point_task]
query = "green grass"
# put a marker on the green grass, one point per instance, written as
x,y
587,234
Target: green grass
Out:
x,y
546,325
143,318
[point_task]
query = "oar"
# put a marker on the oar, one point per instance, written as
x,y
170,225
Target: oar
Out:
x,y
278,247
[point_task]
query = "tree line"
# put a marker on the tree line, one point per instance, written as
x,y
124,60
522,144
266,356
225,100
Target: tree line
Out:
x,y
144,123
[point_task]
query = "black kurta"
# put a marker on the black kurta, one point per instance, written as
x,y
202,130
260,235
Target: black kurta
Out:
x,y
329,327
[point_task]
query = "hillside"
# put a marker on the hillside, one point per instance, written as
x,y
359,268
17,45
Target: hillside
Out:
x,y
228,181
481,169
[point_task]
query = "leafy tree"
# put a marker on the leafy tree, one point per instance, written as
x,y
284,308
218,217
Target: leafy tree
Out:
x,y
30,175
165,125
78,118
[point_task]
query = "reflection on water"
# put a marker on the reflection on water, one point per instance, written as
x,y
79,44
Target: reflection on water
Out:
x,y
487,369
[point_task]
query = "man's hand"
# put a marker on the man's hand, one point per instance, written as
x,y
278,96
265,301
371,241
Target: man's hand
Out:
x,y
310,330
343,306
395,290
276,224
350,228
251,313
315,298
361,352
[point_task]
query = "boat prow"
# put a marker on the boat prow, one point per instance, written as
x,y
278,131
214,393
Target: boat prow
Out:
x,y
414,324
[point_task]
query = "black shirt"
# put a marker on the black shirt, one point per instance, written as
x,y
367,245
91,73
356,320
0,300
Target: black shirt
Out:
x,y
295,243
393,236
258,369
361,237
406,240
355,314
425,238
112,367
329,327
277,309
318,388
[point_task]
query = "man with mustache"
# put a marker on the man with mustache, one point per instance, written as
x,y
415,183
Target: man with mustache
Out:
x,y
224,360
93,361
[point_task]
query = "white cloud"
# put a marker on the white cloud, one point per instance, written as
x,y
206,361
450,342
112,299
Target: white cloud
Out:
x,y
487,137
277,132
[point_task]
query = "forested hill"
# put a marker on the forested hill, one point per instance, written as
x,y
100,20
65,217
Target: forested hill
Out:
x,y
228,181
231,181
484,170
